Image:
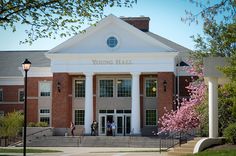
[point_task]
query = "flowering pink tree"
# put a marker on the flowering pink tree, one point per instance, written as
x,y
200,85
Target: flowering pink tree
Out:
x,y
186,117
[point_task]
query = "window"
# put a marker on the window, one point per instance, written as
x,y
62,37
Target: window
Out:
x,y
21,95
124,88
45,88
112,42
106,88
45,119
151,117
1,95
44,111
45,116
151,87
1,113
79,117
79,88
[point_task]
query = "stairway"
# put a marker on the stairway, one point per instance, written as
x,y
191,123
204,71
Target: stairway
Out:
x,y
184,149
94,141
120,141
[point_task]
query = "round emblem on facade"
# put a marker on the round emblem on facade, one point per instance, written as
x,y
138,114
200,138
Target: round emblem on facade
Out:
x,y
112,42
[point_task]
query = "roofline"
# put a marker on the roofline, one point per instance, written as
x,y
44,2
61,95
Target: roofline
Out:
x,y
24,50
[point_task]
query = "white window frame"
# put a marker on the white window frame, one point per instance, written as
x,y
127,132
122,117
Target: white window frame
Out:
x,y
2,113
113,85
20,90
74,117
1,90
47,115
74,87
117,87
146,117
39,88
145,93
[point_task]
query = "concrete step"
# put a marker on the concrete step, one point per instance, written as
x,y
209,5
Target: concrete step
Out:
x,y
184,149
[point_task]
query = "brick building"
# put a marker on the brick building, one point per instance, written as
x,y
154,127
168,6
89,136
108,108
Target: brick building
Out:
x,y
116,71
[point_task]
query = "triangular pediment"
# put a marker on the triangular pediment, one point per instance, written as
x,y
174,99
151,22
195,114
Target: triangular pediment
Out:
x,y
94,39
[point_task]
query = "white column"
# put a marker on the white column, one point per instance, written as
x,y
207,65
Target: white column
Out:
x,y
135,107
88,114
213,107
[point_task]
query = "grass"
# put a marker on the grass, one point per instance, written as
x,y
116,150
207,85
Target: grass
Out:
x,y
10,150
220,152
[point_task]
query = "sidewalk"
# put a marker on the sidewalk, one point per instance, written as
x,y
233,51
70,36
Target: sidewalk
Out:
x,y
93,151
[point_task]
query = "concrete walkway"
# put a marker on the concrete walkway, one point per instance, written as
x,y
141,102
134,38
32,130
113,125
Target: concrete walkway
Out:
x,y
92,151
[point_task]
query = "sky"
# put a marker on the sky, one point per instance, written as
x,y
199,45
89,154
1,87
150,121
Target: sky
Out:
x,y
165,20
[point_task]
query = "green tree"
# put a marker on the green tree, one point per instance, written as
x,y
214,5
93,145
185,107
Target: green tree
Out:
x,y
219,39
11,124
50,18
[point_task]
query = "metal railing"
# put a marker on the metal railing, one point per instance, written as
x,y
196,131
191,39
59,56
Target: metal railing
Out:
x,y
170,139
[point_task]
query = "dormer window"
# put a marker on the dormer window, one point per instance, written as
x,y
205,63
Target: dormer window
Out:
x,y
112,42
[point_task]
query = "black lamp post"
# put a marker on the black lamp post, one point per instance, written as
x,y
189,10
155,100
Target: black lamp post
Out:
x,y
26,66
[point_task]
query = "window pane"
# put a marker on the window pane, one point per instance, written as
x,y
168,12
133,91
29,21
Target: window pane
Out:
x,y
1,95
79,117
106,88
124,88
151,117
45,119
45,88
21,95
44,111
151,87
79,88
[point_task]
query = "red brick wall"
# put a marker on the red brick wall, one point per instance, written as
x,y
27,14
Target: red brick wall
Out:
x,y
32,93
10,93
165,99
141,23
61,101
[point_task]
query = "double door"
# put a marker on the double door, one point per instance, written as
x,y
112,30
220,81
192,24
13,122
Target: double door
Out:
x,y
122,121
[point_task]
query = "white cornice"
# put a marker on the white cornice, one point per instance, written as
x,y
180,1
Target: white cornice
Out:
x,y
11,81
38,72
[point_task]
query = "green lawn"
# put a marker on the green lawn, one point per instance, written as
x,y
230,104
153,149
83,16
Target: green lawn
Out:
x,y
220,152
8,150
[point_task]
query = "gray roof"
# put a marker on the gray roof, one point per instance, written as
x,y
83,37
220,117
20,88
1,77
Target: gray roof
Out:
x,y
169,43
11,60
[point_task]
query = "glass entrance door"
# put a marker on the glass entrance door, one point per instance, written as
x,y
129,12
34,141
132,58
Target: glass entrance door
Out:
x,y
120,125
127,125
123,125
102,125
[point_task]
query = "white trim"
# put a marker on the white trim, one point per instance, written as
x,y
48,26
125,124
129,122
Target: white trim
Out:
x,y
145,119
1,90
11,81
110,19
116,88
38,72
113,84
1,113
144,89
73,87
20,90
39,92
11,103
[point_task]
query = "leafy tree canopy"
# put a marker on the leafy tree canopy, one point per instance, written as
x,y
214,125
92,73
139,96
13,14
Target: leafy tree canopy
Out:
x,y
53,18
212,11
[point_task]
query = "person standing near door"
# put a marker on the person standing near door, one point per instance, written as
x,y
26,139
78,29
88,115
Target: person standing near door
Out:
x,y
113,126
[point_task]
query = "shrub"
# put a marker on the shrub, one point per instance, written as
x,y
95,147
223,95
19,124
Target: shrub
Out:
x,y
42,124
10,125
32,124
230,133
